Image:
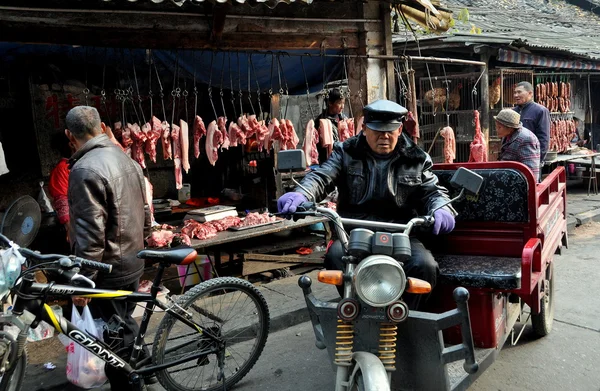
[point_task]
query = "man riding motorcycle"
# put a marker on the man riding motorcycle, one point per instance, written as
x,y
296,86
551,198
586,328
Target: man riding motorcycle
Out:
x,y
381,175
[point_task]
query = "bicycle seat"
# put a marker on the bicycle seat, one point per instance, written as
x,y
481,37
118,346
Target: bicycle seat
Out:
x,y
182,255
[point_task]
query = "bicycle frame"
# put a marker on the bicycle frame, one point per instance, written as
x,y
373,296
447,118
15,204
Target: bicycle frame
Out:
x,y
42,311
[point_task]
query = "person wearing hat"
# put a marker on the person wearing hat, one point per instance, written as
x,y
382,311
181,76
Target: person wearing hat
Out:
x,y
333,112
381,175
519,144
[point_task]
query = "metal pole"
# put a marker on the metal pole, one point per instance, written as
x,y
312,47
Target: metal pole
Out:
x,y
593,147
485,101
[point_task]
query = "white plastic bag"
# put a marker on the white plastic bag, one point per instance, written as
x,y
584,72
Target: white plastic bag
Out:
x,y
83,368
10,268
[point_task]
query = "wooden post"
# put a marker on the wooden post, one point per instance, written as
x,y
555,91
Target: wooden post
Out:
x,y
386,16
485,99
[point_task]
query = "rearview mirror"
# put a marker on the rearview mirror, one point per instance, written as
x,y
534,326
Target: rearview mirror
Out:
x,y
291,160
466,179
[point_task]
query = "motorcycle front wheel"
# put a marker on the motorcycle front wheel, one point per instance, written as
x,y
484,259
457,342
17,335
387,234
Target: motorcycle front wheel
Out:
x,y
13,379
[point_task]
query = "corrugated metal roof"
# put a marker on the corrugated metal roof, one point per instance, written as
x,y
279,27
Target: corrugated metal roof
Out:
x,y
556,26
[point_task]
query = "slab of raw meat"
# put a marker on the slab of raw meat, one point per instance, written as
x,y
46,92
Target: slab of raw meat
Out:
x,y
449,144
214,139
153,136
257,218
245,126
201,231
236,135
254,126
221,122
326,135
351,130
199,131
184,137
291,138
161,238
344,130
175,137
126,139
309,145
268,143
275,133
137,148
118,130
225,223
478,147
166,140
411,126
261,134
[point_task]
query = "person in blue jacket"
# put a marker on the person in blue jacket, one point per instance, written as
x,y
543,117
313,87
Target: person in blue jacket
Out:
x,y
534,116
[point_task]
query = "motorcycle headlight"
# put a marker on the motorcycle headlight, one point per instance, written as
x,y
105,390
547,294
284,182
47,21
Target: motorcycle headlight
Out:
x,y
379,280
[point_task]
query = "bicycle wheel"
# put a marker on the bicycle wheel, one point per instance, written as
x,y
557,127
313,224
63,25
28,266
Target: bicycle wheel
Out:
x,y
13,380
228,307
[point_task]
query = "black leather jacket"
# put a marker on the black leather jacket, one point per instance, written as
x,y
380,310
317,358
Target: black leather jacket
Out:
x,y
394,188
107,210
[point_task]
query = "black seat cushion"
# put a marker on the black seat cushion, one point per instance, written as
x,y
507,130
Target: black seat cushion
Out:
x,y
182,255
502,198
480,271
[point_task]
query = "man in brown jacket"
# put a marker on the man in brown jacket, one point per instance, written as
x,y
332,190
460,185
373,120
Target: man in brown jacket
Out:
x,y
108,217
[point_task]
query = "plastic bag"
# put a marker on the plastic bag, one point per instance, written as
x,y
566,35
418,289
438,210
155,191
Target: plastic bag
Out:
x,y
83,368
10,269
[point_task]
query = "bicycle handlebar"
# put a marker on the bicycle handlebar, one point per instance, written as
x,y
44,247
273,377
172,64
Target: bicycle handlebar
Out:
x,y
56,257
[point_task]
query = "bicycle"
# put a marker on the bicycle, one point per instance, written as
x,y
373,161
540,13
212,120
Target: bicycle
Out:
x,y
191,341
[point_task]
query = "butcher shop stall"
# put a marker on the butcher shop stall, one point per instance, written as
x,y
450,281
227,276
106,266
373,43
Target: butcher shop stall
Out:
x,y
202,96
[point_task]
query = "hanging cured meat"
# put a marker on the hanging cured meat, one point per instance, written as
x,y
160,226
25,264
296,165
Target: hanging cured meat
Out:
x,y
326,135
166,140
309,145
236,135
175,136
184,138
292,139
449,144
199,131
137,148
411,126
221,121
478,147
214,139
153,136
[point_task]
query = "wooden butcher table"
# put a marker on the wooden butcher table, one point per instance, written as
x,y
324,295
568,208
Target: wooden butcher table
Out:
x,y
254,245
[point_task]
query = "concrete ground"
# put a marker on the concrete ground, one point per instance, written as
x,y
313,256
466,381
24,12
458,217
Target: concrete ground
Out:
x,y
568,358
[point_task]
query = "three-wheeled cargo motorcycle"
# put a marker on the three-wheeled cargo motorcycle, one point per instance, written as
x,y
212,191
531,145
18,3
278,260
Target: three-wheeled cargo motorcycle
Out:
x,y
498,258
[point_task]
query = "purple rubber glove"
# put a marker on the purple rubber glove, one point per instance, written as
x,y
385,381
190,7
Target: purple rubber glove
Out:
x,y
289,202
444,222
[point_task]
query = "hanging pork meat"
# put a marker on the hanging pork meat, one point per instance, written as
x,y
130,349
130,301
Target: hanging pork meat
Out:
x,y
411,126
359,125
245,126
199,131
118,130
221,122
137,148
449,144
214,139
291,137
184,137
236,135
153,136
344,130
309,145
175,137
478,147
166,141
351,130
109,133
326,135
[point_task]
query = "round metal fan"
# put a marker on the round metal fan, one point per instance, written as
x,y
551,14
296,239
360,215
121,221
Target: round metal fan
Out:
x,y
21,221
